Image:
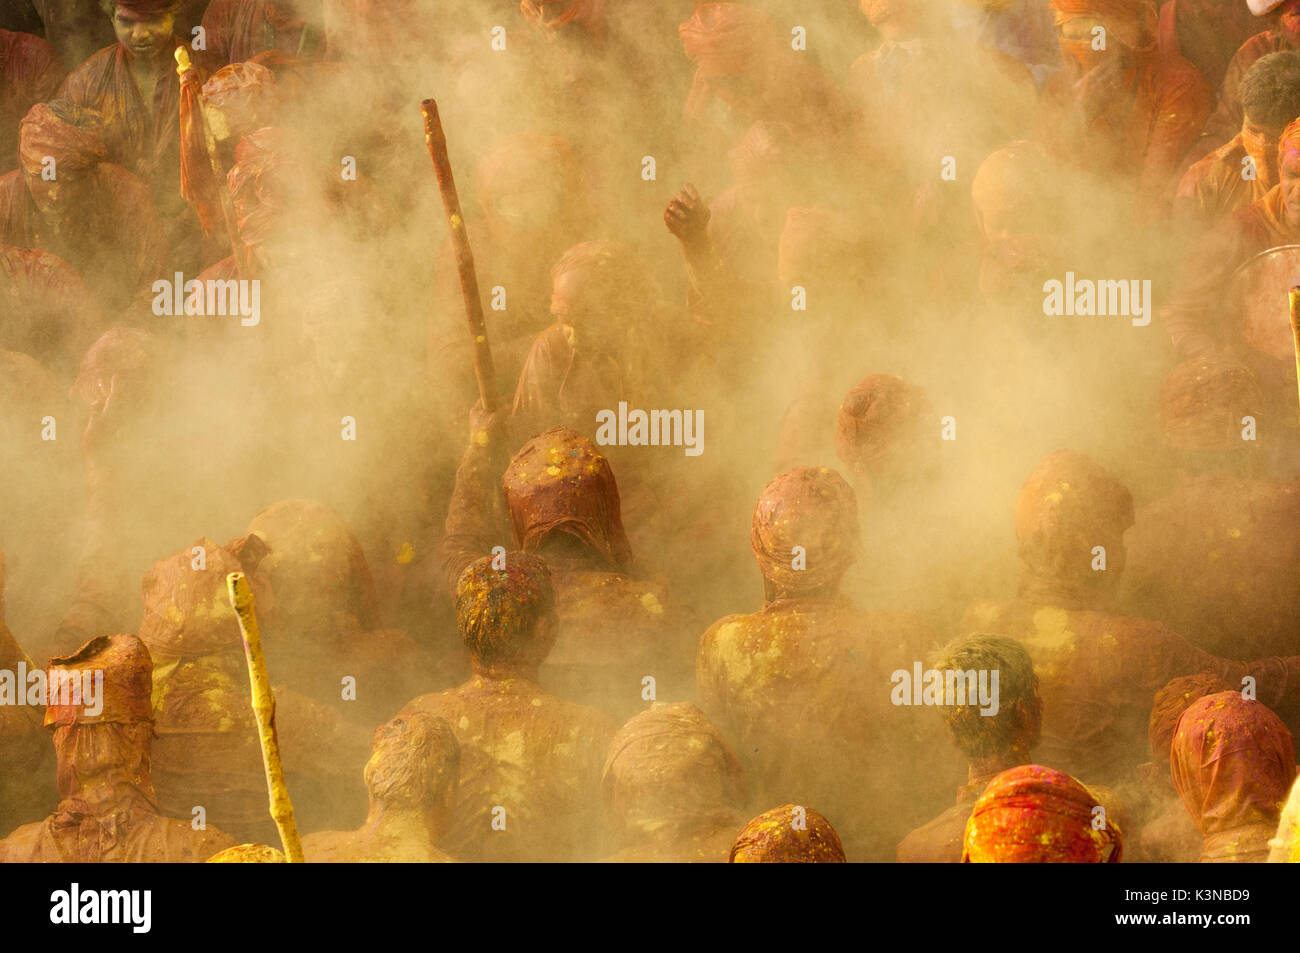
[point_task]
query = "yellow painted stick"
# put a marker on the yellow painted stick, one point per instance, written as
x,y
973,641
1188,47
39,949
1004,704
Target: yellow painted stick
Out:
x,y
241,597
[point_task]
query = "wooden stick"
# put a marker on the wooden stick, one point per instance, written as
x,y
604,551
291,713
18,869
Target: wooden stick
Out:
x,y
436,140
1295,331
241,597
185,70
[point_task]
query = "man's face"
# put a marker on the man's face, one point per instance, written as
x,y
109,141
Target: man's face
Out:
x,y
143,39
1075,38
1289,175
57,197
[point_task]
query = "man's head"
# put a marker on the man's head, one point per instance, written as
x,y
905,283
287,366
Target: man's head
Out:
x,y
507,616
100,705
238,99
1014,730
415,766
1070,516
60,145
789,834
144,27
559,489
1270,98
1288,172
594,286
1128,25
1017,206
669,770
1169,704
884,434
1036,815
736,52
805,533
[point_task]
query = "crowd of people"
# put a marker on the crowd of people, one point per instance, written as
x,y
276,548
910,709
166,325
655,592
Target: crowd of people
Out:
x,y
970,316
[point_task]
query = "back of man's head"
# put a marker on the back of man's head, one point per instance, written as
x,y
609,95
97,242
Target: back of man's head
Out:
x,y
1016,722
415,760
502,603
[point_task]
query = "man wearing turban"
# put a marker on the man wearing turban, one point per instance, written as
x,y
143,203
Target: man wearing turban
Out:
x,y
108,812
673,790
561,501
810,650
1122,107
1097,668
1207,557
68,199
1037,815
790,834
1233,762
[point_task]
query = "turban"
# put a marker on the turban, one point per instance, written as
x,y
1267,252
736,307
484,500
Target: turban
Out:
x,y
1202,403
1132,22
243,91
187,611
71,135
1263,8
149,9
724,39
1170,703
414,759
774,838
670,770
1232,761
880,415
559,482
1068,506
609,273
127,694
812,508
315,567
263,182
1036,815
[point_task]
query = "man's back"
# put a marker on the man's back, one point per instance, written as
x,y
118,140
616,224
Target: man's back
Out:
x,y
530,771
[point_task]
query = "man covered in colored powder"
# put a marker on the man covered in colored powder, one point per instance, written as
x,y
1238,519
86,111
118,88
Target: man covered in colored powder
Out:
x,y
530,762
109,812
411,780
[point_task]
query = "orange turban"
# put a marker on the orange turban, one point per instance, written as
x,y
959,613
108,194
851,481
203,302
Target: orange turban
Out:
x,y
1037,815
789,834
880,415
1132,22
724,39
560,482
1068,506
812,508
71,135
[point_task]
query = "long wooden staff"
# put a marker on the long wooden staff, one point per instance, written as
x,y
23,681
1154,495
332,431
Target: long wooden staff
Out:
x,y
185,70
436,140
1295,331
241,597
